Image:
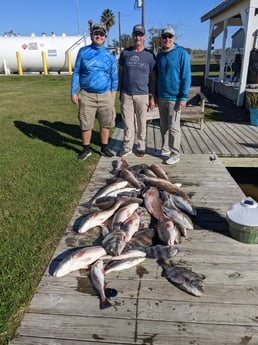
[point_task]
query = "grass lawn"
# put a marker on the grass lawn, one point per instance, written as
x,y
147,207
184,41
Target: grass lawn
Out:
x,y
41,183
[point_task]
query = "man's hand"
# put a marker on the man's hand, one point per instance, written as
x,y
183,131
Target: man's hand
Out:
x,y
74,99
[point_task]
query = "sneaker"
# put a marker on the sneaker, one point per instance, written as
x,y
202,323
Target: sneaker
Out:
x,y
106,153
84,155
172,159
162,153
140,153
124,153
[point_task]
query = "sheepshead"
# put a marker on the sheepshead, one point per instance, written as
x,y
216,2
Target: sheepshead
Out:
x,y
123,264
126,191
141,238
178,217
183,278
145,217
123,213
163,184
153,202
99,217
167,199
184,204
130,226
159,171
160,252
79,259
166,231
131,178
114,242
105,202
106,190
98,282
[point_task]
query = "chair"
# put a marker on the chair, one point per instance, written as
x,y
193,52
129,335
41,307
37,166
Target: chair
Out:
x,y
195,106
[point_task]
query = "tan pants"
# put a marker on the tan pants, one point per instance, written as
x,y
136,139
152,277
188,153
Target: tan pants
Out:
x,y
134,108
169,125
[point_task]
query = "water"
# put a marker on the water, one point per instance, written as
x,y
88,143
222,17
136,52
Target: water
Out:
x,y
247,179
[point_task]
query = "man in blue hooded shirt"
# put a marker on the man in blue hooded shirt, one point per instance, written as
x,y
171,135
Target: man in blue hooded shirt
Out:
x,y
95,72
173,84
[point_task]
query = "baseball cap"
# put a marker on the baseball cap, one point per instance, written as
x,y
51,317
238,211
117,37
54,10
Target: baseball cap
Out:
x,y
138,28
168,30
99,28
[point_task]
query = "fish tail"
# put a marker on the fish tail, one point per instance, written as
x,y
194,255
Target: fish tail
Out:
x,y
104,303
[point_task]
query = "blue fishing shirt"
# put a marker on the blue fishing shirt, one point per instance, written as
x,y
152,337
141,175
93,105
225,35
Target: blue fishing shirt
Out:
x,y
95,70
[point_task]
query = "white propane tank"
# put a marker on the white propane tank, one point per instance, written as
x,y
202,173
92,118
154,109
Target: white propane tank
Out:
x,y
30,49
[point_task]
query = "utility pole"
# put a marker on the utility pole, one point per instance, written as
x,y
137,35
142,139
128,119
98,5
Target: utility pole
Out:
x,y
119,32
143,13
77,15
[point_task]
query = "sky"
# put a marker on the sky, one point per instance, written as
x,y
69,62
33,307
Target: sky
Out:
x,y
71,17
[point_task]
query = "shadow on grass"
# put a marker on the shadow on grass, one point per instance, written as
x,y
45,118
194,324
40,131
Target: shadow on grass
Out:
x,y
49,132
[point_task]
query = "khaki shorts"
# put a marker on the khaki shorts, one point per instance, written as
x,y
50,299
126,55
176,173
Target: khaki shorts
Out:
x,y
96,105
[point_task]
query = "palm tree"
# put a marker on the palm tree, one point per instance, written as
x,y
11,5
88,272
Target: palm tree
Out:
x,y
108,19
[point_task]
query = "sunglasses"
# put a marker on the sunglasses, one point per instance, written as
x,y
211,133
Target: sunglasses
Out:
x,y
99,34
138,34
166,36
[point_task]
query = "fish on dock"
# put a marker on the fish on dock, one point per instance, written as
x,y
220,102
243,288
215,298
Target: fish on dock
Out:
x,y
163,184
79,259
183,278
159,251
166,231
124,264
98,218
153,202
105,190
114,242
98,281
159,172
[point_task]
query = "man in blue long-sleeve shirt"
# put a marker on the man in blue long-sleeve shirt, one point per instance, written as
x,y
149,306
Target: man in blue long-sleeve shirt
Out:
x,y
95,74
173,84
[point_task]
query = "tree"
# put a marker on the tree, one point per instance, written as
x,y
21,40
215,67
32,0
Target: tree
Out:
x,y
108,19
126,41
154,40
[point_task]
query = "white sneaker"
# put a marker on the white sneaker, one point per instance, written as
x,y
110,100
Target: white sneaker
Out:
x,y
172,160
124,153
162,153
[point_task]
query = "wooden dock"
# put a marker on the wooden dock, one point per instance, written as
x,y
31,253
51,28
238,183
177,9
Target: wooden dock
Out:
x,y
236,144
149,310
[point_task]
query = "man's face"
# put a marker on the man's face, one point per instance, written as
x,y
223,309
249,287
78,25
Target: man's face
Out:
x,y
138,37
98,38
167,41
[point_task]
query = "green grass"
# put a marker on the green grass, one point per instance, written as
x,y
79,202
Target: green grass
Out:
x,y
41,183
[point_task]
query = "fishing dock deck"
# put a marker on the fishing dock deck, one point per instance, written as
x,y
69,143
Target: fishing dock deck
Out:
x,y
149,309
236,144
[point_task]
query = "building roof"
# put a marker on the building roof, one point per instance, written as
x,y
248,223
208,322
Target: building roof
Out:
x,y
224,5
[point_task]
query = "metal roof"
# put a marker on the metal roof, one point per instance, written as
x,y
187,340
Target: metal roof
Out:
x,y
219,8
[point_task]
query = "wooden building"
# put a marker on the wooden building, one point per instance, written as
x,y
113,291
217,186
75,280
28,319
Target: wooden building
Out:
x,y
240,14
